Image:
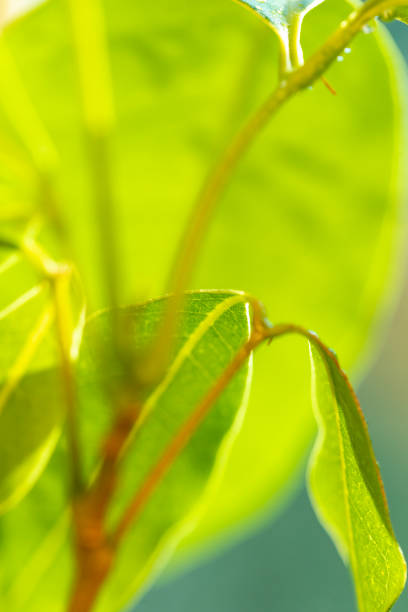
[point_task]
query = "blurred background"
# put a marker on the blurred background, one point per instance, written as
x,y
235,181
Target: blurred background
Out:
x,y
290,565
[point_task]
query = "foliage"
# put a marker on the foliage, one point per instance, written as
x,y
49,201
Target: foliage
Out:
x,y
109,121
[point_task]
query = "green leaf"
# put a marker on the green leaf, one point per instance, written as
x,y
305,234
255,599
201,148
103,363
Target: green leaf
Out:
x,y
285,17
29,429
30,411
346,489
184,80
213,326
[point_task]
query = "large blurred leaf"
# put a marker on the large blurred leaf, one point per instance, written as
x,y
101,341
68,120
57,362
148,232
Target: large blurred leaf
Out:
x,y
36,575
28,429
31,407
321,174
24,298
346,487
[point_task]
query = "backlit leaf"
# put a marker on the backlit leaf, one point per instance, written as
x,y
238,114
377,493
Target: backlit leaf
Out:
x,y
346,488
184,80
31,406
214,325
28,429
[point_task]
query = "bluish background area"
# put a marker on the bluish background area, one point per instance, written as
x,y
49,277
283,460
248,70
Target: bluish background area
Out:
x,y
290,565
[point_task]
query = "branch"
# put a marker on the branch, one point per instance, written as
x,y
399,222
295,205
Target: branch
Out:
x,y
220,175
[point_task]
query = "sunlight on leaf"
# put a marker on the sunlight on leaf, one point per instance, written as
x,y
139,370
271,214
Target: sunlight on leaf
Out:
x,y
346,488
29,429
31,405
181,87
29,423
213,326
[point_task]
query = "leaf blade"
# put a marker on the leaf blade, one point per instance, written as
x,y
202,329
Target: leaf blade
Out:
x,y
343,460
223,324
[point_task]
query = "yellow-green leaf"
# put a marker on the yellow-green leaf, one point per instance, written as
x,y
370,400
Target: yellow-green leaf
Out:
x,y
36,571
346,489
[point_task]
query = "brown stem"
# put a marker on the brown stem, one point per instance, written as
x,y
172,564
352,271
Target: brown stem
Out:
x,y
96,550
89,582
94,556
104,487
260,331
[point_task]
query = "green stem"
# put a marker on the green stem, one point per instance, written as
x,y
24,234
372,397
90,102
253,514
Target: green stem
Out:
x,y
220,176
88,30
65,328
59,276
295,49
221,173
